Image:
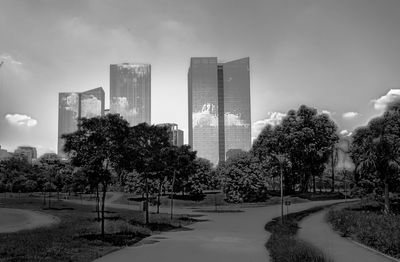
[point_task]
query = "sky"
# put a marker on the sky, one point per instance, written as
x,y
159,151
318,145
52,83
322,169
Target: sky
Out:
x,y
339,56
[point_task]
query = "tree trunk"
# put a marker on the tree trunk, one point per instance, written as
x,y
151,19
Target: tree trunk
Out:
x,y
158,197
147,199
97,203
387,201
314,186
172,195
103,200
49,198
333,172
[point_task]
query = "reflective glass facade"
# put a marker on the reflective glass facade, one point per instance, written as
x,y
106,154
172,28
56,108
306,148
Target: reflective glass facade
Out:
x,y
203,107
237,117
68,114
219,107
72,106
92,103
130,92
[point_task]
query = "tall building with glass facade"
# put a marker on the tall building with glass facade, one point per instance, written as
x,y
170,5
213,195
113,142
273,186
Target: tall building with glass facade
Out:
x,y
72,106
130,92
219,107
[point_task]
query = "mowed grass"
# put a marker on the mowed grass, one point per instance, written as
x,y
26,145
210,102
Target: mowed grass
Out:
x,y
283,245
369,226
77,236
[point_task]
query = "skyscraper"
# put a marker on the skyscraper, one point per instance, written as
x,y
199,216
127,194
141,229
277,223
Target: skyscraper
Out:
x,y
68,114
130,92
219,107
92,103
72,106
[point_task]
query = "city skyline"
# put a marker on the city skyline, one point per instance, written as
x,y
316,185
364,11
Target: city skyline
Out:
x,y
340,57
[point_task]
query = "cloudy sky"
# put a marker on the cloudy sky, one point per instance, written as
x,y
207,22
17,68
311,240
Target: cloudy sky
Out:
x,y
340,56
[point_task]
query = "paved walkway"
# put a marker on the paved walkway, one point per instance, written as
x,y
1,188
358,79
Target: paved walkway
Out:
x,y
315,230
224,237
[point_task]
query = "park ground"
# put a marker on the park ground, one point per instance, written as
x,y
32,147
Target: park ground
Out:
x,y
233,233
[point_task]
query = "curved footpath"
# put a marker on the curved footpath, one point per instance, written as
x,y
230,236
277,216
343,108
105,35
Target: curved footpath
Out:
x,y
13,220
223,237
316,231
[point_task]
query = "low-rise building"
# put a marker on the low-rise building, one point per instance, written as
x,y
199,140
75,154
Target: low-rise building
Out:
x,y
28,152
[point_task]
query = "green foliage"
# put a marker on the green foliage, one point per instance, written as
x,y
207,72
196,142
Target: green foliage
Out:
x,y
375,151
373,229
99,147
203,178
242,179
305,138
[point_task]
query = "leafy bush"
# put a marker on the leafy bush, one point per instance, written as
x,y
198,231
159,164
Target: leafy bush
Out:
x,y
243,180
373,229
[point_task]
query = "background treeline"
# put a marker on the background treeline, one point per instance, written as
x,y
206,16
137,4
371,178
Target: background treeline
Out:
x,y
105,152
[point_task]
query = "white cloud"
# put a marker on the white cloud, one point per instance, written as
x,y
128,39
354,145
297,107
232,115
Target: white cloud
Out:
x,y
9,59
350,115
327,112
273,118
391,96
21,120
345,133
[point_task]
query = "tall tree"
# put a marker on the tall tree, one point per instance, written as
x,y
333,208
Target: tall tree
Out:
x,y
99,145
305,138
145,145
50,164
376,149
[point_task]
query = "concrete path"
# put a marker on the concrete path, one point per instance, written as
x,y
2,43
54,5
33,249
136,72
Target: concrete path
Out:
x,y
316,231
13,220
224,237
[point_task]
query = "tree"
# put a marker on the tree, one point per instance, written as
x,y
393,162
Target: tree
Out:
x,y
178,163
145,144
376,150
201,179
99,145
50,164
305,138
242,179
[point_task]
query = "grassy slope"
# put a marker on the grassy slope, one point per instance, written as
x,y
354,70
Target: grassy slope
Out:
x,y
369,226
77,238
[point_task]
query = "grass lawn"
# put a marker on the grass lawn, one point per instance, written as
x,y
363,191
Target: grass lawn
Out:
x,y
283,245
369,226
76,237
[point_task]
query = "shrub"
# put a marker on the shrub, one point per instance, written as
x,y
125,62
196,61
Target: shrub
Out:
x,y
379,231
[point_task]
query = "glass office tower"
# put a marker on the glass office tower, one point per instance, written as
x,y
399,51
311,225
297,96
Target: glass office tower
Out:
x,y
219,107
72,106
130,92
92,103
237,117
203,107
68,114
